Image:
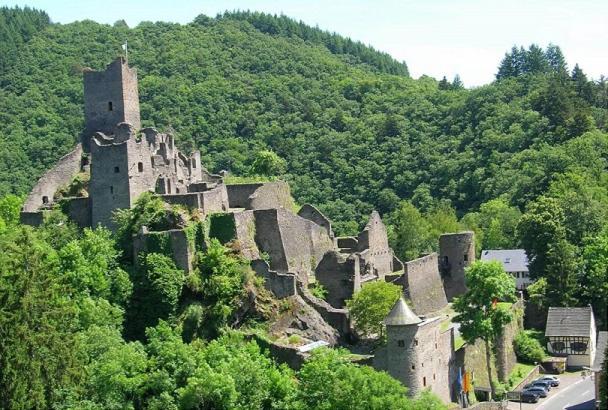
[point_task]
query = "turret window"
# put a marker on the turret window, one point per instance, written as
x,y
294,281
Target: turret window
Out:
x,y
401,343
424,381
116,170
416,342
110,107
466,257
193,163
140,166
45,199
413,367
111,189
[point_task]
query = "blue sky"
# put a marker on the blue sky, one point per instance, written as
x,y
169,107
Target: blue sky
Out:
x,y
434,37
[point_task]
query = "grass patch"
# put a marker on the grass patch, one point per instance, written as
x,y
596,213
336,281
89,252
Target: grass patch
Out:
x,y
519,372
239,180
458,342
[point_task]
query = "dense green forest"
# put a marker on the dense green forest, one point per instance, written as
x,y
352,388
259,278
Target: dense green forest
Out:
x,y
522,161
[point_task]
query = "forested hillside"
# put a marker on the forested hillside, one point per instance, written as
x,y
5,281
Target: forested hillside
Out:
x,y
521,161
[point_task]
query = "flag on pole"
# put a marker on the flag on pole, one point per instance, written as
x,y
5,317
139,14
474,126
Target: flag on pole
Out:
x,y
125,47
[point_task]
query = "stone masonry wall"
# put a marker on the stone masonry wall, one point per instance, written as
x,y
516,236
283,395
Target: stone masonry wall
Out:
x,y
423,285
238,194
281,284
456,252
340,276
60,175
313,214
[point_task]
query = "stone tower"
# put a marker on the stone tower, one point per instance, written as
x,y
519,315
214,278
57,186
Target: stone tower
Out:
x,y
110,97
456,252
402,345
418,354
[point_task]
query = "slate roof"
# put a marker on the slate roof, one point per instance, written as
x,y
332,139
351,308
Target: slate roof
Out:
x,y
602,341
513,260
569,321
401,315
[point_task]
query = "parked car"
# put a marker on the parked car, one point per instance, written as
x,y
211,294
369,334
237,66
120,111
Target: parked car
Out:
x,y
537,389
528,396
551,379
544,384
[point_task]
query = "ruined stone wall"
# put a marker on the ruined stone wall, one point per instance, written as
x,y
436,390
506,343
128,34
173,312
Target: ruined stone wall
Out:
x,y
456,252
190,200
215,199
313,214
505,352
78,210
271,195
62,173
32,218
423,285
268,239
374,240
244,222
238,194
173,243
294,244
281,284
336,318
110,97
340,276
109,184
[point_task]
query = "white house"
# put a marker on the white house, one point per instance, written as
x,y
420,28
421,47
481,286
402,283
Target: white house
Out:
x,y
514,261
571,333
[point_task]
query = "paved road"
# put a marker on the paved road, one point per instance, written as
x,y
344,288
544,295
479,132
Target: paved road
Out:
x,y
574,393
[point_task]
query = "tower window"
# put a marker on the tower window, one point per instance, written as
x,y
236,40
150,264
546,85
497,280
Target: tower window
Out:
x,y
168,186
45,199
401,343
193,163
116,170
413,367
466,257
433,376
111,189
416,342
424,381
140,166
110,108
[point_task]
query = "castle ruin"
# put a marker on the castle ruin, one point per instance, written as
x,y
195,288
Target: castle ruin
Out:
x,y
291,251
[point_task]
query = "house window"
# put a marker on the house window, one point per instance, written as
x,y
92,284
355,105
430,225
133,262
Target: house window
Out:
x,y
424,381
558,346
116,170
140,166
579,347
401,343
110,108
45,199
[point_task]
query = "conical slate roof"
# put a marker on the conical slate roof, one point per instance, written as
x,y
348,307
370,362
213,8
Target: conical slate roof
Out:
x,y
401,315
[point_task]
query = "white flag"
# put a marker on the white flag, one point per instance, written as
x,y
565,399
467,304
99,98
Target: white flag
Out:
x,y
124,46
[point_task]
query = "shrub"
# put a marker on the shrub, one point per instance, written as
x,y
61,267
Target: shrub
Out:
x,y
528,349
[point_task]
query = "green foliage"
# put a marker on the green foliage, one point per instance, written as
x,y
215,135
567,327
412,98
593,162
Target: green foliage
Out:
x,y
528,349
479,314
268,163
318,290
157,289
496,222
222,228
371,304
410,232
219,281
329,381
594,280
